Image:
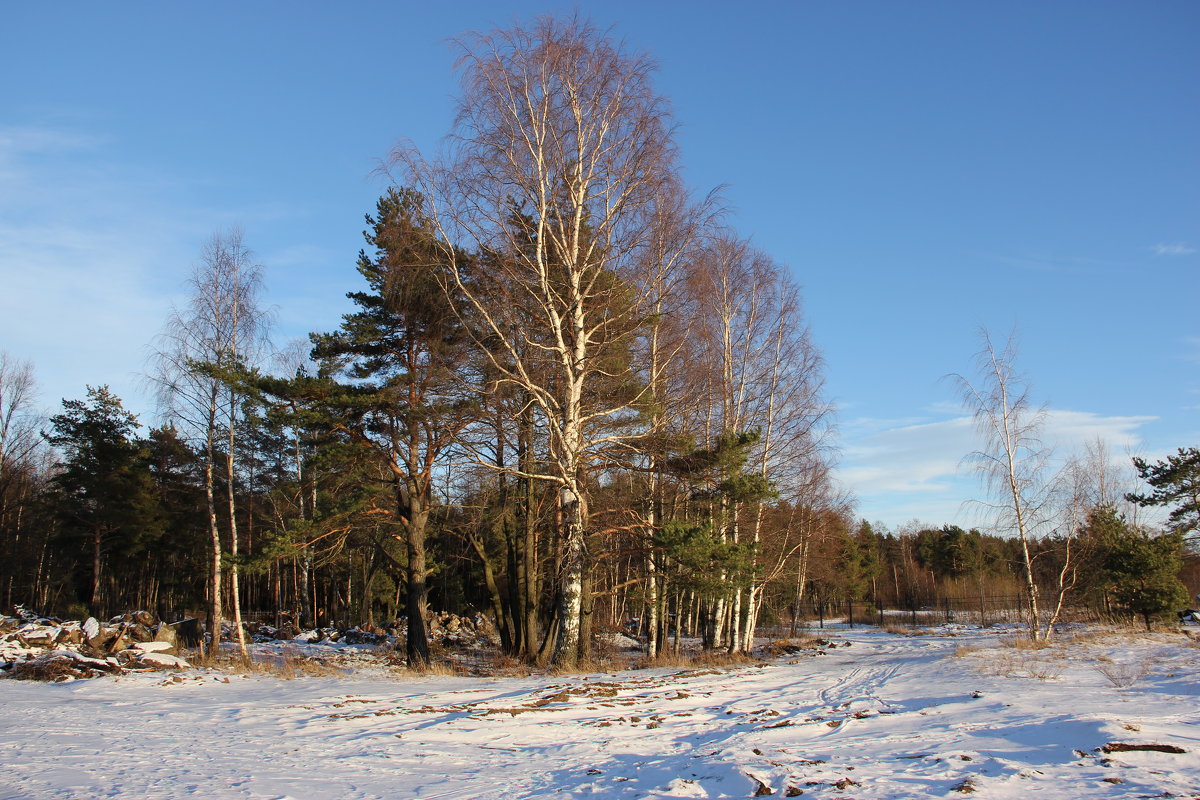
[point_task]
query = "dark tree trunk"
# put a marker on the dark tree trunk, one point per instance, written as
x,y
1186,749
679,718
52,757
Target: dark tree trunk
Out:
x,y
417,645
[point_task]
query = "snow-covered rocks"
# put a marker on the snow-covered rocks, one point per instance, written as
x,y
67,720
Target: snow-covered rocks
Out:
x,y
48,649
62,665
163,660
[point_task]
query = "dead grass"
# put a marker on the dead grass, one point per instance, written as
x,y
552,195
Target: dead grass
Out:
x,y
588,666
1042,670
1122,676
702,658
1104,649
502,665
288,663
439,668
1009,661
49,670
1025,643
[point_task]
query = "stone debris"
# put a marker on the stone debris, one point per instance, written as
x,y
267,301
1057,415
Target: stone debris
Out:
x,y
33,647
445,630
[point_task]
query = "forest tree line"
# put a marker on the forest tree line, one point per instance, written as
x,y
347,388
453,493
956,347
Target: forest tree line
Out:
x,y
569,394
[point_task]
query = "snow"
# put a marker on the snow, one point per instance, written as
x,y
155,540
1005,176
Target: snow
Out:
x,y
155,659
942,712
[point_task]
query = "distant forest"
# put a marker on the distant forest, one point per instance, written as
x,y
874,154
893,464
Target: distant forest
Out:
x,y
570,395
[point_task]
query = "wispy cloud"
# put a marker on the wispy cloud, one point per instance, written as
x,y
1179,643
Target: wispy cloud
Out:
x,y
1192,346
1071,430
916,470
17,141
96,243
1172,249
1056,263
909,458
89,261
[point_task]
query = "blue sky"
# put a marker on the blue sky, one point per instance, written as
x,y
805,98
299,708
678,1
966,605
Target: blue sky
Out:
x,y
924,168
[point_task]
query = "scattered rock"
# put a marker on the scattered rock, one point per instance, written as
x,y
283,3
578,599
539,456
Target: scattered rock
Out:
x,y
1128,747
966,787
165,635
162,660
761,788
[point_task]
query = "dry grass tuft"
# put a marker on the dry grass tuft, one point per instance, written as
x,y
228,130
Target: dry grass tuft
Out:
x,y
793,644
502,665
966,787
439,668
287,664
1122,676
1042,670
703,658
1025,643
584,666
49,669
294,665
1004,662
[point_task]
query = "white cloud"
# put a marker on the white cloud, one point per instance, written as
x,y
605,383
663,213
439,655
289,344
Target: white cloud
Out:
x,y
917,470
1071,430
1172,249
909,458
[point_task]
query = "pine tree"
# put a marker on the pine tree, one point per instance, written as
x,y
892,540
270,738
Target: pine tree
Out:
x,y
1140,569
400,356
1176,482
105,492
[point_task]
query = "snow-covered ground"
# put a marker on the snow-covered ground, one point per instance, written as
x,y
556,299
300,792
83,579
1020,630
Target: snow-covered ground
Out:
x,y
943,713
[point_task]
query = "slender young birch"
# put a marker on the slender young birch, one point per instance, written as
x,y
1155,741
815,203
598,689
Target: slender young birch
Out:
x,y
1013,459
221,328
763,374
19,441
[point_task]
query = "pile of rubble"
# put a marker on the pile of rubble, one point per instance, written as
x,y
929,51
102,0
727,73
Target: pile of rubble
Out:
x,y
449,630
33,647
445,629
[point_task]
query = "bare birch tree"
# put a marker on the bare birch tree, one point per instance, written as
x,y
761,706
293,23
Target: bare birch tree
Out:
x,y
18,429
762,373
560,147
221,329
1013,461
19,442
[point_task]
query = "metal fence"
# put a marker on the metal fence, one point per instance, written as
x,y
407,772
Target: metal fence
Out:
x,y
978,610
